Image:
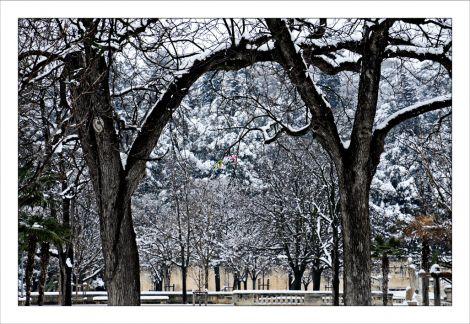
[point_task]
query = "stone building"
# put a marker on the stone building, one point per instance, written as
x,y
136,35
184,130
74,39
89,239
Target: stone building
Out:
x,y
401,276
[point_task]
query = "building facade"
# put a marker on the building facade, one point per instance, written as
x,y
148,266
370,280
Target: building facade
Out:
x,y
401,276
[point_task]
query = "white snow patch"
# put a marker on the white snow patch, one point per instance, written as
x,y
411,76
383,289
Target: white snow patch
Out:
x,y
435,268
68,263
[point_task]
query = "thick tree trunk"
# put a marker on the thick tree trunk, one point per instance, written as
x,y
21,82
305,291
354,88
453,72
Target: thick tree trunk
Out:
x,y
297,283
385,267
122,272
43,274
217,277
354,187
316,279
32,241
112,184
425,254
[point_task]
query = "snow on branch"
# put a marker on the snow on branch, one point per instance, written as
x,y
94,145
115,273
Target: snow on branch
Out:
x,y
436,54
413,111
274,129
143,87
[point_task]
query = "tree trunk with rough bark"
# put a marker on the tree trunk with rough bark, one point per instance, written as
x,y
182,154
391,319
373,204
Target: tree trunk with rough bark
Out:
x,y
354,191
385,269
43,274
93,113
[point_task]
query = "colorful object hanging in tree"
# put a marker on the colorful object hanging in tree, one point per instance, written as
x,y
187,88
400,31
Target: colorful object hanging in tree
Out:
x,y
227,160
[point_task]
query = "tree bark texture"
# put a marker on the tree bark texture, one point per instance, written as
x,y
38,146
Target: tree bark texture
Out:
x,y
354,193
92,106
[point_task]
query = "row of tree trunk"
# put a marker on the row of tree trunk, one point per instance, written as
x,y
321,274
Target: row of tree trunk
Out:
x,y
65,272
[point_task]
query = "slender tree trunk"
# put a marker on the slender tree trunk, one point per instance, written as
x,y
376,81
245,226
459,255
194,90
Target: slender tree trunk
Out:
x,y
159,285
234,284
437,290
167,279
335,262
43,275
425,253
316,279
206,276
253,282
385,268
217,277
32,242
184,275
245,284
66,252
66,277
354,186
306,285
